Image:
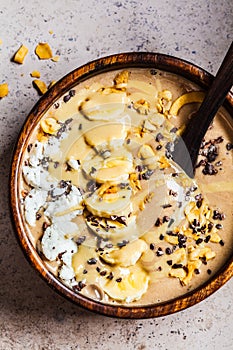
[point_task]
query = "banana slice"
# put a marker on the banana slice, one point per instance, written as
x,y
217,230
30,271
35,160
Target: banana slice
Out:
x,y
127,284
115,168
127,255
108,204
189,97
105,104
79,150
113,230
106,135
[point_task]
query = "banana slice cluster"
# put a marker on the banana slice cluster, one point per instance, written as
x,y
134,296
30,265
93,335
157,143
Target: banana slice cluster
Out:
x,y
118,272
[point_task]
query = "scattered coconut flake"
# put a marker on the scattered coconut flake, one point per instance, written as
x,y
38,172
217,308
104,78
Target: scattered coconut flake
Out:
x,y
43,51
20,54
40,86
3,90
35,74
55,58
52,83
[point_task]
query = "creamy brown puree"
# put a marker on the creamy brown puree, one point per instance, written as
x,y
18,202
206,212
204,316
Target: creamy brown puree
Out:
x,y
127,249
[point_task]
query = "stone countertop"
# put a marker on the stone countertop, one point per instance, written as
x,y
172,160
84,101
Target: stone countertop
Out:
x,y
32,316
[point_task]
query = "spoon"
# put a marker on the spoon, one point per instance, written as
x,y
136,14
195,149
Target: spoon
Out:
x,y
187,148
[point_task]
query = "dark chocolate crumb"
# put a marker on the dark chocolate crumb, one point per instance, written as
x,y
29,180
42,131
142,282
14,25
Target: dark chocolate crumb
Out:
x,y
153,72
159,252
66,98
44,226
103,273
109,245
199,241
159,137
229,146
173,130
209,272
72,93
118,279
177,266
169,262
218,216
209,169
171,222
93,170
123,243
221,243
92,261
38,216
164,206
166,219
172,193
80,240
207,239
219,163
110,276
147,174
168,251
219,226
29,147
219,139
158,222
152,246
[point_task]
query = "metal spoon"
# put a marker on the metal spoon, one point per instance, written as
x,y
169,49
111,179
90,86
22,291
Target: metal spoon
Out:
x,y
187,148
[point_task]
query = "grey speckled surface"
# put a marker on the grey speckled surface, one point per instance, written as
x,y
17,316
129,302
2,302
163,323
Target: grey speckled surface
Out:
x,y
31,315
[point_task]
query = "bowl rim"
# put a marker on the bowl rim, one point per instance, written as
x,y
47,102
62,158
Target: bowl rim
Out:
x,y
147,60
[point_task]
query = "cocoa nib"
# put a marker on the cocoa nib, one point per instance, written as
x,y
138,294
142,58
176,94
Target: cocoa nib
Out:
x,y
120,219
209,169
92,186
80,240
78,287
123,243
229,146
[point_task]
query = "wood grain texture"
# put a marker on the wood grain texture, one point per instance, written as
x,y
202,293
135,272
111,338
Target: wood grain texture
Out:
x,y
119,61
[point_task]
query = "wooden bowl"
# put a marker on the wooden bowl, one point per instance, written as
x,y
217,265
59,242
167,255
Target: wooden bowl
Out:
x,y
118,61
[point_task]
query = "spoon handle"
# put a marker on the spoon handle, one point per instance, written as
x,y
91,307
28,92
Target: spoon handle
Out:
x,y
197,127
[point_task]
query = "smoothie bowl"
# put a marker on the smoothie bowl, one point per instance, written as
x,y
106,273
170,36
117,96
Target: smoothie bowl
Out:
x,y
101,210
